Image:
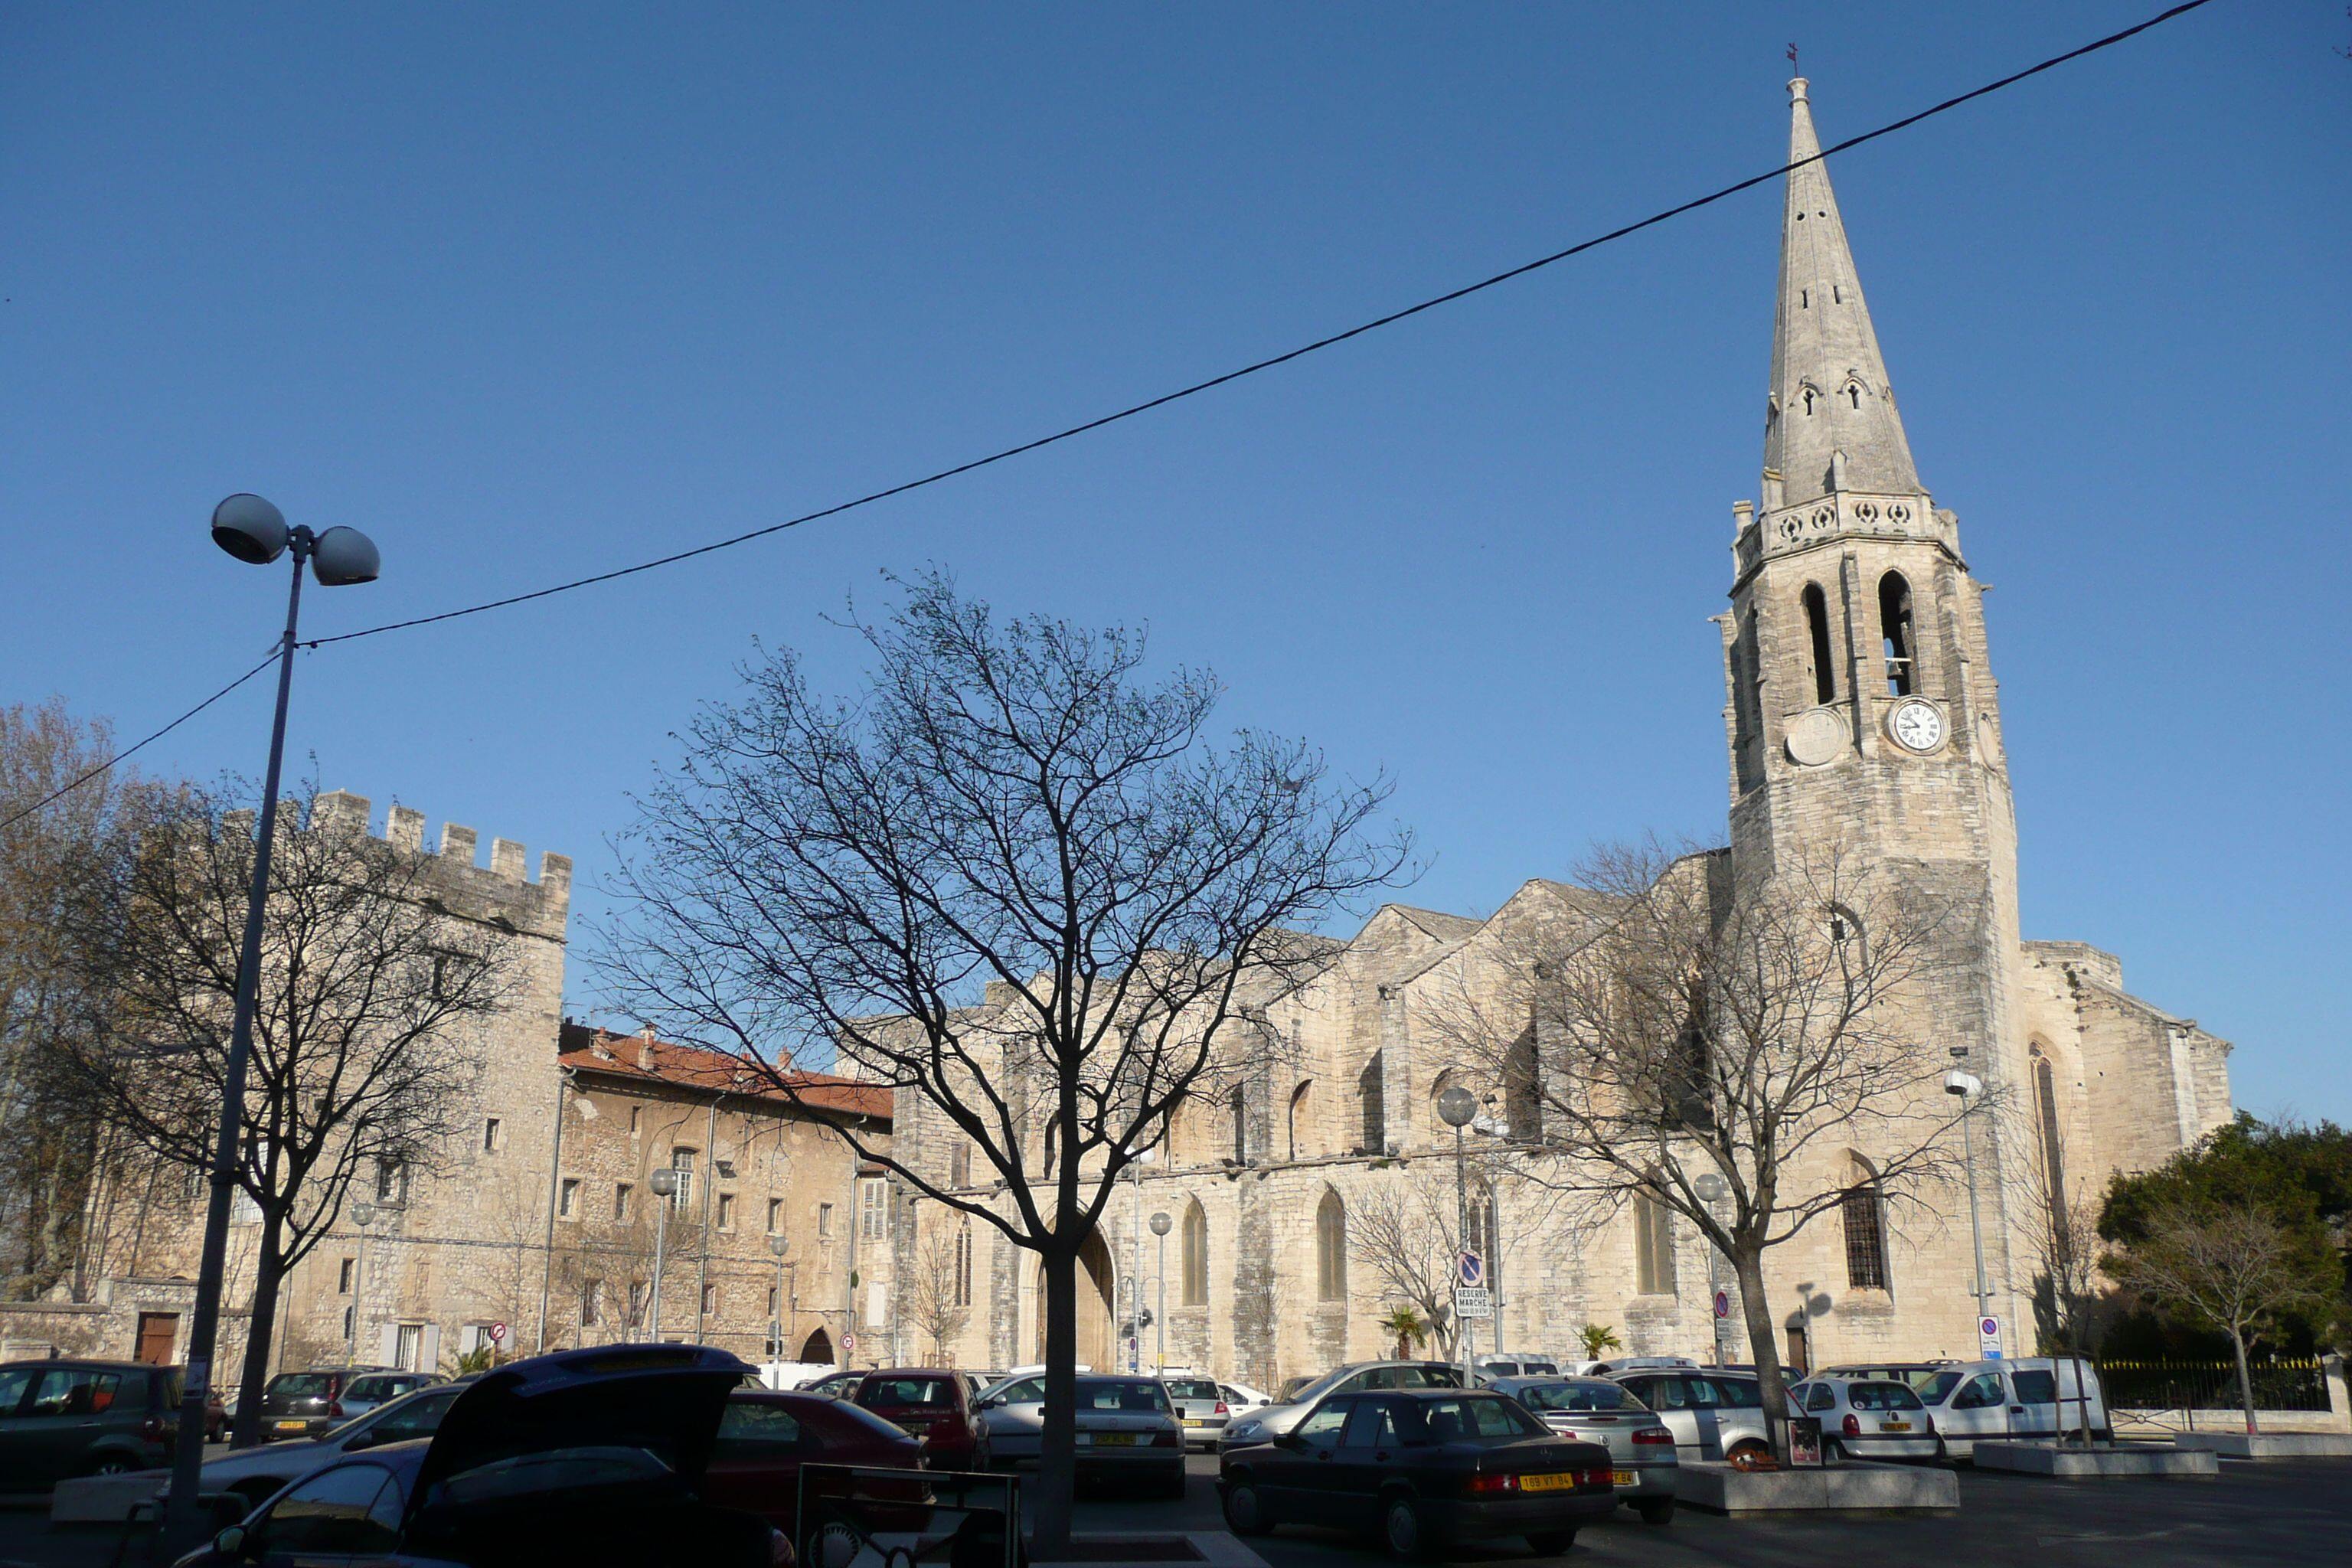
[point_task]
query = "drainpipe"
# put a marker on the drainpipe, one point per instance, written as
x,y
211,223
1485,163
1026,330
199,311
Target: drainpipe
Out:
x,y
554,1194
709,1197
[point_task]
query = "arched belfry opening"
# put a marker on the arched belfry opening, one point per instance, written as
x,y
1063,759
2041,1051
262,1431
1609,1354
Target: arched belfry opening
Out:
x,y
1900,636
1817,633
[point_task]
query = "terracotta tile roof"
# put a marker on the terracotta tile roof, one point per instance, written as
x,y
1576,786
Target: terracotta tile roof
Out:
x,y
588,1049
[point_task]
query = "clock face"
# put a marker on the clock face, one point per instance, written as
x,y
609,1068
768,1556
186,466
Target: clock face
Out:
x,y
1918,726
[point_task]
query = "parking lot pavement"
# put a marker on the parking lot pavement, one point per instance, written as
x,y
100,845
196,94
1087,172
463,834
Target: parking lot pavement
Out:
x,y
2271,1513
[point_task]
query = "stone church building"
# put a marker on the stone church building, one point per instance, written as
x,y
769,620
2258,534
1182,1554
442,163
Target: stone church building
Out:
x,y
1861,709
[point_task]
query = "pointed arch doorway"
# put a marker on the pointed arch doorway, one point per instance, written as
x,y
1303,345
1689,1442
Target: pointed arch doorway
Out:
x,y
817,1350
1095,1346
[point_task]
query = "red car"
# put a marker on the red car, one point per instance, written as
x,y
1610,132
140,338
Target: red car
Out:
x,y
934,1405
767,1435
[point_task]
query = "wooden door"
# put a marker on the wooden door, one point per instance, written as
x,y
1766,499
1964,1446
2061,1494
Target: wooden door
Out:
x,y
159,1335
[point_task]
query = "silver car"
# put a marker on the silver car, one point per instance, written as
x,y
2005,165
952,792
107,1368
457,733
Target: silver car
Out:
x,y
1867,1418
1355,1377
1126,1429
1713,1414
1200,1405
1641,1455
370,1389
258,1472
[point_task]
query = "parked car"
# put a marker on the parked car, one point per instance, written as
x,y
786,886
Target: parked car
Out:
x,y
2035,1400
370,1389
1512,1364
1917,1373
933,1406
1200,1405
1616,1364
1713,1414
1126,1429
258,1472
305,1404
1426,1466
1355,1377
61,1418
1241,1398
584,1455
1867,1418
1642,1457
765,1436
840,1384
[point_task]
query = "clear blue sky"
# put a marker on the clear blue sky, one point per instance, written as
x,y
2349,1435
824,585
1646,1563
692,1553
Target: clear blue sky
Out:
x,y
530,293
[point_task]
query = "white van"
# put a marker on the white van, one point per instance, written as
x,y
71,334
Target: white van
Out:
x,y
2034,1399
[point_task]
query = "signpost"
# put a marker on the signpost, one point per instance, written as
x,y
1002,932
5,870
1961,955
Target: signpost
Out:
x,y
1989,1338
497,1334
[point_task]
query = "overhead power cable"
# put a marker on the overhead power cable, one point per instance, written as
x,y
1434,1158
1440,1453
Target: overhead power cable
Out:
x,y
67,788
1255,367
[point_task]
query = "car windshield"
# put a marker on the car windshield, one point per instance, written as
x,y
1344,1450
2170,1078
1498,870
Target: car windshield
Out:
x,y
1192,1388
1594,1395
906,1393
1469,1417
1881,1396
303,1385
1295,1387
1132,1398
1938,1388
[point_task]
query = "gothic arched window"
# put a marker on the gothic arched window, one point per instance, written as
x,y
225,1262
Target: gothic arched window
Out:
x,y
1895,626
1331,1248
1653,1246
1193,1257
1863,1211
1302,1101
1371,1096
1817,631
2054,1158
1238,1103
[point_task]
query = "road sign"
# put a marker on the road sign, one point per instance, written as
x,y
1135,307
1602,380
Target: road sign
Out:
x,y
497,1334
1723,1303
1470,1270
1989,1338
848,1347
1471,1301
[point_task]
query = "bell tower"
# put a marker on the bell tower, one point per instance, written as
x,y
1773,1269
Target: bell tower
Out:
x,y
1863,718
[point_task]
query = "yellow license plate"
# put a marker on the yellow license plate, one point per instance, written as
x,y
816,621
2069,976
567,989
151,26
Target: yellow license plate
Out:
x,y
292,1425
1895,1426
1114,1439
1191,1421
1559,1481
1620,1477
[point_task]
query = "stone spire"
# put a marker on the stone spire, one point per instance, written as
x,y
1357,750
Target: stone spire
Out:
x,y
1832,425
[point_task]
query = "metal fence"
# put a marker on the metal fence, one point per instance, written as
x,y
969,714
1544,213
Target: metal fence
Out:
x,y
2286,1383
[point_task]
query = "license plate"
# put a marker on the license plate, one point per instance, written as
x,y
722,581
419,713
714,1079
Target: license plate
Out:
x,y
1559,1481
292,1425
1622,1477
1114,1439
1191,1421
1895,1426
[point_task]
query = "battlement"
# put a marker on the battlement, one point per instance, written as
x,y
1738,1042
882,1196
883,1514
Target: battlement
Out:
x,y
503,882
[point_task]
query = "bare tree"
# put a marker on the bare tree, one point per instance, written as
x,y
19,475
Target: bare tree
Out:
x,y
1675,1018
55,1148
1406,1228
2236,1267
934,1286
1012,882
365,1046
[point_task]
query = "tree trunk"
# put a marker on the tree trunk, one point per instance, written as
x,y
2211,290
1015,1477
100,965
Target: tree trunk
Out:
x,y
269,1273
1057,1448
2245,1380
1748,1265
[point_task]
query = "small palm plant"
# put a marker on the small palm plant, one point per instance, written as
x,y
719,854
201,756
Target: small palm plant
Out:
x,y
481,1358
1596,1338
1409,1328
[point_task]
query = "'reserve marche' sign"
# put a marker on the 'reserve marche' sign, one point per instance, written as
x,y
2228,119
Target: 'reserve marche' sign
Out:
x,y
1472,1301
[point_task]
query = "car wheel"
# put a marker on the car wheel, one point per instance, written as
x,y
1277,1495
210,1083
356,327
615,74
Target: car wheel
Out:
x,y
1748,1450
1655,1509
1551,1543
1403,1531
833,1543
108,1465
1245,1512
1832,1451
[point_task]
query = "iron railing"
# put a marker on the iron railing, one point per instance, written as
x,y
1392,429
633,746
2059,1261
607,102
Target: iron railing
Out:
x,y
2280,1383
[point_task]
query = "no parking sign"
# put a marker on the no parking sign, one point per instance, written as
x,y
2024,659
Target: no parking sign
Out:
x,y
1989,1338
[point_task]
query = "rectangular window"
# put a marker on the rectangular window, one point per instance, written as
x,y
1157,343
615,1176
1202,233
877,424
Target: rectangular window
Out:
x,y
825,1222
775,1216
727,1211
408,1347
567,1201
349,1321
871,1195
637,1120
773,1302
710,1299
873,1303
1653,1246
589,1310
682,1161
343,1275
494,1136
621,1191
390,1182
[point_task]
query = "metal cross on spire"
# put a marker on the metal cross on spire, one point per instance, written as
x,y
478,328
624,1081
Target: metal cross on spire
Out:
x,y
1793,61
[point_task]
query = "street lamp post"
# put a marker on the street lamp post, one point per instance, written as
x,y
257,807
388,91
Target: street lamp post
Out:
x,y
1970,1089
363,1215
777,1243
255,532
1160,1224
664,1183
1456,1107
1710,1186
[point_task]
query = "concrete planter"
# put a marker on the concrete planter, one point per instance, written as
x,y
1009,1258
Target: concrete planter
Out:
x,y
1720,1488
2092,1464
2269,1445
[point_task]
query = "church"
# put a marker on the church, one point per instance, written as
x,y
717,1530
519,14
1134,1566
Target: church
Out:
x,y
1861,711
